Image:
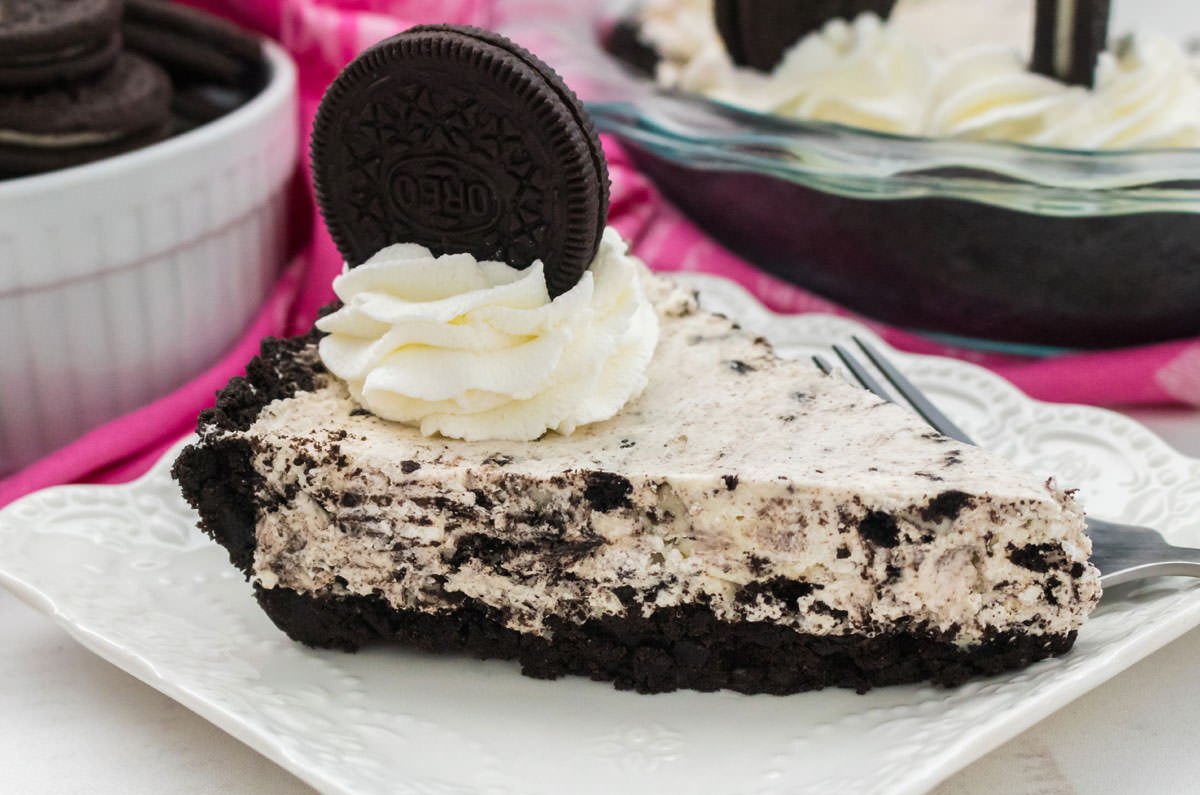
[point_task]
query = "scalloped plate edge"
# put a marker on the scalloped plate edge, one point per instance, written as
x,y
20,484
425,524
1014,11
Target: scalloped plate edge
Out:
x,y
137,665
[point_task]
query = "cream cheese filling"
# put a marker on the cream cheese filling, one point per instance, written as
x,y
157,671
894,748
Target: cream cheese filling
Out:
x,y
741,469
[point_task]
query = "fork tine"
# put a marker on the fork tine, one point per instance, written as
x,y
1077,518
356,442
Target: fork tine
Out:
x,y
860,373
914,396
822,365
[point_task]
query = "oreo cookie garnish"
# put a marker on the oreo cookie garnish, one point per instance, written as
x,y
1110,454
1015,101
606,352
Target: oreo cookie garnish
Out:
x,y
758,32
1068,37
624,43
44,41
459,140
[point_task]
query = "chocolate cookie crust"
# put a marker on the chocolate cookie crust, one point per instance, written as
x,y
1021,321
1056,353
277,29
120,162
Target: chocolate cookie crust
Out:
x,y
677,647
218,480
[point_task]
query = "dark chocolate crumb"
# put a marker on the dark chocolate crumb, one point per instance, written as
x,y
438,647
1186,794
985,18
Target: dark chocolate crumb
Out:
x,y
627,443
607,491
947,505
1039,558
740,367
496,553
820,607
1048,590
626,595
498,459
843,553
731,481
880,529
408,467
779,589
756,563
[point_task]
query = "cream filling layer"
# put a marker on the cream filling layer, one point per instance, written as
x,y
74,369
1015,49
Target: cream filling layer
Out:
x,y
56,140
741,468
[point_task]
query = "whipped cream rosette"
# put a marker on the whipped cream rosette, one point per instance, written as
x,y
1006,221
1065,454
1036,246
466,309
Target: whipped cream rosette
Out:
x,y
478,350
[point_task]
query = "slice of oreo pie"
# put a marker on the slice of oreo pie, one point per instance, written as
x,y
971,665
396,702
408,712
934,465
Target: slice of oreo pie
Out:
x,y
617,551
459,140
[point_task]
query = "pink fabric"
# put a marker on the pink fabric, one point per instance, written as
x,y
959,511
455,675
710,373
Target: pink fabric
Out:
x,y
325,34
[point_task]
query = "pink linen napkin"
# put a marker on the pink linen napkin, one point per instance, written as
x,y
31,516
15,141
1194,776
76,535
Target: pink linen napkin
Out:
x,y
323,35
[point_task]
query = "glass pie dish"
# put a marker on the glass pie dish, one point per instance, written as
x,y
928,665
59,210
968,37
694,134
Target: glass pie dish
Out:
x,y
995,242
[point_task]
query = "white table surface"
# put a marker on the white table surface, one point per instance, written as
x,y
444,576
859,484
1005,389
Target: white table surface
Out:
x,y
71,722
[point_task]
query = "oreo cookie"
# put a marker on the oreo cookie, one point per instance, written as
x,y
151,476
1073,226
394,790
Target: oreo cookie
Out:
x,y
44,41
459,140
624,43
758,32
61,125
1068,37
194,47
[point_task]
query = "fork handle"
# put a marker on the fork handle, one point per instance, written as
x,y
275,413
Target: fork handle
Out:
x,y
1128,552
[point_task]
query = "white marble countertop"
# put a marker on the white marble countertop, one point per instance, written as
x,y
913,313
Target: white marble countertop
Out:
x,y
75,723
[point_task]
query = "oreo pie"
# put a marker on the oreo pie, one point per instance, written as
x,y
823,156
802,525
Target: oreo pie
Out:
x,y
742,521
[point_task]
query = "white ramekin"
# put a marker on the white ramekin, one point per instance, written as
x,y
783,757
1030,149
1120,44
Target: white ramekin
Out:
x,y
122,278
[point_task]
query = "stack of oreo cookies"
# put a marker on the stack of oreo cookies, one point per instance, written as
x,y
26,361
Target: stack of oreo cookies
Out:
x,y
82,80
68,92
214,65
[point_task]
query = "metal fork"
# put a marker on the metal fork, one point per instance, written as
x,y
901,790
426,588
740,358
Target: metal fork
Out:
x,y
1122,552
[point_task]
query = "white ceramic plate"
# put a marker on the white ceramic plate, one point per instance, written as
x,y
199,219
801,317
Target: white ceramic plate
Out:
x,y
124,571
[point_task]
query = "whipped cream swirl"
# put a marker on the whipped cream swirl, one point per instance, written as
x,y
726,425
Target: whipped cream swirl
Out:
x,y
1147,95
477,350
862,73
